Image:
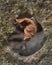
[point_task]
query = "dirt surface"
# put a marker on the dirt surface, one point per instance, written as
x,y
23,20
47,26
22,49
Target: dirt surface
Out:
x,y
41,10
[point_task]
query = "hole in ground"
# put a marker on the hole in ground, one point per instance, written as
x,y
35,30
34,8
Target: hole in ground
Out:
x,y
26,47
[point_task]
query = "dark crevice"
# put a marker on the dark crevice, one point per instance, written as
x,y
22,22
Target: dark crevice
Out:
x,y
25,23
26,14
39,27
